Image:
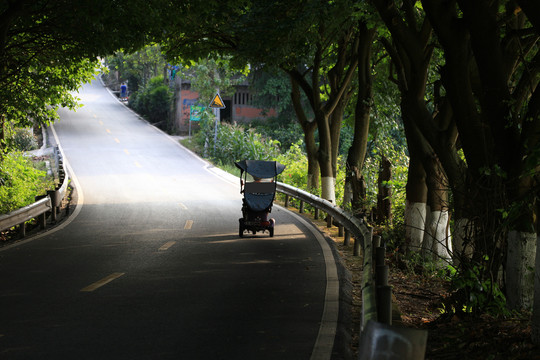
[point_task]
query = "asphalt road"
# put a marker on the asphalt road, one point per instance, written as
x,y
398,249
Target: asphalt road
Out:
x,y
150,265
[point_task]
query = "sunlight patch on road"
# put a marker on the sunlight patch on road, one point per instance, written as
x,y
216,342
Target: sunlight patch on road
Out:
x,y
188,225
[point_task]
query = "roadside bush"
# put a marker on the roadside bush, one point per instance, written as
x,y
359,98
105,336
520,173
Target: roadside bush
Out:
x,y
20,182
234,143
296,166
20,139
286,132
295,173
153,101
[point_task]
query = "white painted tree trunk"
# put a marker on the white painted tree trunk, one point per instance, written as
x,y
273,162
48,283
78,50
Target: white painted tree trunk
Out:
x,y
415,220
520,265
536,305
436,244
328,188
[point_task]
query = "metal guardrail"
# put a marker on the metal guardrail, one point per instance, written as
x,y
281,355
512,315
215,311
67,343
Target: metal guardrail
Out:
x,y
49,203
361,233
376,293
376,327
20,216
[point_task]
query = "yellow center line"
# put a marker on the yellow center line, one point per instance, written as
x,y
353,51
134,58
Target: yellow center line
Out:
x,y
100,122
109,131
138,165
116,139
189,224
126,151
167,245
182,206
102,282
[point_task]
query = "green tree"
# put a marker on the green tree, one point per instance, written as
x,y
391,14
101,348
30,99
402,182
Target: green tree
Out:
x,y
210,75
319,34
153,101
486,105
48,48
135,68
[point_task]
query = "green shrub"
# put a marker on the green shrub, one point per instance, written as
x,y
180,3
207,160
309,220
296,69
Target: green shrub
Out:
x,y
296,166
295,173
20,182
153,101
234,143
287,133
21,139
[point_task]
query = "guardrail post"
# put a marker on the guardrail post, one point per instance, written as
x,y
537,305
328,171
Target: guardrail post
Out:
x,y
316,216
301,210
340,230
357,245
42,218
356,248
369,304
42,221
52,195
286,201
383,290
22,230
347,238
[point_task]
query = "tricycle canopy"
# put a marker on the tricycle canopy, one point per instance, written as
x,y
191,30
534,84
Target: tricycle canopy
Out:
x,y
261,168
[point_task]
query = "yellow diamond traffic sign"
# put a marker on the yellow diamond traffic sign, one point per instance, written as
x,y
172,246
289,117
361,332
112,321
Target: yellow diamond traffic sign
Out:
x,y
217,103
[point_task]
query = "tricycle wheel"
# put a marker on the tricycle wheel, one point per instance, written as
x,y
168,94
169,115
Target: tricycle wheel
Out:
x,y
241,228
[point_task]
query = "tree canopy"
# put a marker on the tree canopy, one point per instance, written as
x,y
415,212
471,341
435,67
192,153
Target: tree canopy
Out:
x,y
48,48
467,73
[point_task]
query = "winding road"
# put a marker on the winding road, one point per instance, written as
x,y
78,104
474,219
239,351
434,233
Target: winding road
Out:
x,y
150,265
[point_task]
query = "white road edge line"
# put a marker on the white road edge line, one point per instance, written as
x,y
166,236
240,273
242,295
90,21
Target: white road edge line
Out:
x,y
327,330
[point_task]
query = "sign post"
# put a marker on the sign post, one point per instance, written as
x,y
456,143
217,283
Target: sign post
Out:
x,y
216,104
195,113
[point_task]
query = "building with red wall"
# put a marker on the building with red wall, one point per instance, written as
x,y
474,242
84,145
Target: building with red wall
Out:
x,y
238,108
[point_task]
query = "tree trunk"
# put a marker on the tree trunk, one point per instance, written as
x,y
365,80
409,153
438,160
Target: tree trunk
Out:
x,y
415,206
536,305
354,181
2,136
335,130
313,162
436,244
308,128
520,263
328,181
384,205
